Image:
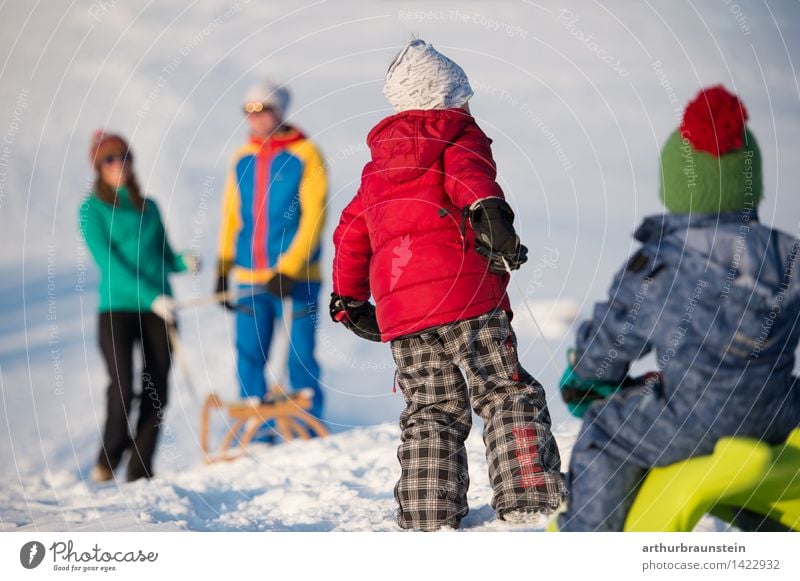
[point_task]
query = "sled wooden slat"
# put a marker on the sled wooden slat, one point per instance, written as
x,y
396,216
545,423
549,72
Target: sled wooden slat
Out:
x,y
289,412
297,429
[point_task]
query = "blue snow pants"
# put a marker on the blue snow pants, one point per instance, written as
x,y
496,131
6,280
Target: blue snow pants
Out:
x,y
255,325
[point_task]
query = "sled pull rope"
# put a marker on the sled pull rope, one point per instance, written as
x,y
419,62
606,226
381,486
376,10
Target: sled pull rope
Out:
x,y
177,351
530,311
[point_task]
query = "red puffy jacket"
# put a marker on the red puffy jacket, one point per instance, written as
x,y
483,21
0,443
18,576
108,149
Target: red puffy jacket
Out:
x,y
404,238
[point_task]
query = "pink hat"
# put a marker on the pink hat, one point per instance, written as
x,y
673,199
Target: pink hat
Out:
x,y
104,144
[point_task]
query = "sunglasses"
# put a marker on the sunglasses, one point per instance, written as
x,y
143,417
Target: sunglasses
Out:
x,y
257,108
126,157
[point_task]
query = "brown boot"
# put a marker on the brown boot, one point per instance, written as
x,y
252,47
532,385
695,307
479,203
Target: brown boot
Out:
x,y
101,474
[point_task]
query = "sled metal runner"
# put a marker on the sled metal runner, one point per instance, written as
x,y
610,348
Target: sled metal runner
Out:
x,y
287,412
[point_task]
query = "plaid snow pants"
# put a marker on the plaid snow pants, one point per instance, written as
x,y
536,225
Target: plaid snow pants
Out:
x,y
522,455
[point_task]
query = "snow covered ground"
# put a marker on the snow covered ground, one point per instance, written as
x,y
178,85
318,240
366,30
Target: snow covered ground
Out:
x,y
578,98
343,483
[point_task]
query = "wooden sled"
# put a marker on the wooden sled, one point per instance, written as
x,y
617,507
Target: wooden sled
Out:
x,y
288,412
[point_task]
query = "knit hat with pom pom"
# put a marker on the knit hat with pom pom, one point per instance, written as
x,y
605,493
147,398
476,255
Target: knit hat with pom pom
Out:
x,y
711,163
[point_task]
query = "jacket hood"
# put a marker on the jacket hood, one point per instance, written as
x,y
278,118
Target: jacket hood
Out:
x,y
653,228
287,135
404,146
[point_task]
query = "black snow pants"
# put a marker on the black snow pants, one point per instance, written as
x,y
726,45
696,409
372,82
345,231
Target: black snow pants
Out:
x,y
119,331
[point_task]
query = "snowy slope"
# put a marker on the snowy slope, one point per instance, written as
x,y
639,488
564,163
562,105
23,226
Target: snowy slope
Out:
x,y
576,141
343,483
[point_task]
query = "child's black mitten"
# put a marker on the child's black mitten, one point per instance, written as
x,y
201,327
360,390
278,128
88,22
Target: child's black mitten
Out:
x,y
497,241
356,315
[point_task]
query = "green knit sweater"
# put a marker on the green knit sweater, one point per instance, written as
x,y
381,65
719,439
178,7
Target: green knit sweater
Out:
x,y
131,249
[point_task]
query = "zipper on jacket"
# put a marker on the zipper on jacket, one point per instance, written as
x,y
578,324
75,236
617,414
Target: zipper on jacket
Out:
x,y
464,215
443,212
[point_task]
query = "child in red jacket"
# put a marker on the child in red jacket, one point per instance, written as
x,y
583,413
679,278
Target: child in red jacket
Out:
x,y
430,237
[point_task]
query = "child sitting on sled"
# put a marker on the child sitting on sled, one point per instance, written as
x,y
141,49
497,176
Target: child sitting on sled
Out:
x,y
430,237
715,294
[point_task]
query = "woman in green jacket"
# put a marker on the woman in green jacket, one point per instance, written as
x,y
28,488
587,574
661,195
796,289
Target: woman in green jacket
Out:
x,y
127,240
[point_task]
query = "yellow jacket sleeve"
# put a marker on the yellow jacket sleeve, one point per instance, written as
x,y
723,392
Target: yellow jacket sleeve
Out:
x,y
313,190
230,222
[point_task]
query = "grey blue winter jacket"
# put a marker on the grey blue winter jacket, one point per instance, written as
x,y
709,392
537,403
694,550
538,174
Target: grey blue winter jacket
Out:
x,y
717,297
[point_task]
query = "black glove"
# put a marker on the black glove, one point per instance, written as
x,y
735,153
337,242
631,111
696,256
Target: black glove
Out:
x,y
499,260
280,285
493,222
222,287
358,316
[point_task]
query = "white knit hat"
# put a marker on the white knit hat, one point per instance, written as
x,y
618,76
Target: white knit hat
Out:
x,y
423,78
270,94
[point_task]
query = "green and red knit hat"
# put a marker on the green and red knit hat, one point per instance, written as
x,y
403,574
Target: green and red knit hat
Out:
x,y
711,163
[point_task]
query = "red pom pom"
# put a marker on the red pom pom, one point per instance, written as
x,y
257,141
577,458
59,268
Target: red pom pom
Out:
x,y
714,121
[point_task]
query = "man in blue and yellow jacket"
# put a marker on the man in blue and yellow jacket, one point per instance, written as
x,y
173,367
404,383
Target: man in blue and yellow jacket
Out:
x,y
273,210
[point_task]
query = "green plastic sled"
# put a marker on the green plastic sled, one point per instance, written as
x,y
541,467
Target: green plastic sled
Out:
x,y
742,478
